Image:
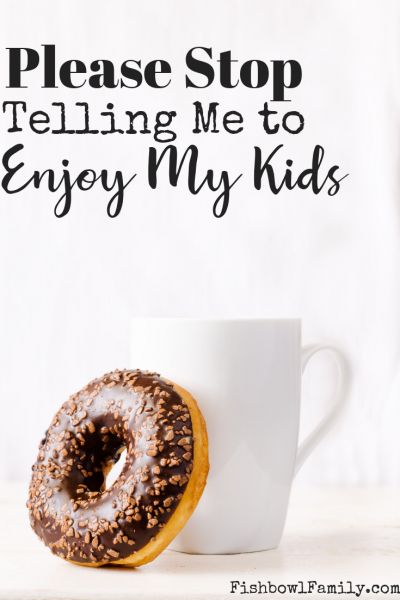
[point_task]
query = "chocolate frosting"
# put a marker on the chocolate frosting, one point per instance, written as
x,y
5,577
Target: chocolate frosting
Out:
x,y
70,507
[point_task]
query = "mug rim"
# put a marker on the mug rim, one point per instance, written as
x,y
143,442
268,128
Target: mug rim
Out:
x,y
220,319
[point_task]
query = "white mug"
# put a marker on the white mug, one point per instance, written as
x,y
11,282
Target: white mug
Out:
x,y
246,377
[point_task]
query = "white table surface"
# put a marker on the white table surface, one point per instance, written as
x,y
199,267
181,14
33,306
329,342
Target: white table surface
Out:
x,y
331,535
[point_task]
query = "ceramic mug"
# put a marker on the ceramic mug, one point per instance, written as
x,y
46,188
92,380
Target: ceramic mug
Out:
x,y
246,376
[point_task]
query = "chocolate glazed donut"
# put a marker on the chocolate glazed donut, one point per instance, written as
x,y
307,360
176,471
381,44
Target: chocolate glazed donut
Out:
x,y
163,477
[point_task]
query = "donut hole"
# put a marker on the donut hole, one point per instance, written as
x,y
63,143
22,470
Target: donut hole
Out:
x,y
116,469
99,463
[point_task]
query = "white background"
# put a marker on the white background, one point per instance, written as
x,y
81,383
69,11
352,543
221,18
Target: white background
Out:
x,y
70,286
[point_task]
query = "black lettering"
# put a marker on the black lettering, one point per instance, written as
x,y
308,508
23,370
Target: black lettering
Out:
x,y
279,84
155,68
69,68
15,65
15,128
199,66
199,115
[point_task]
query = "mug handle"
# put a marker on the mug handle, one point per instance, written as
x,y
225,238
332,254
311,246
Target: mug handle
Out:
x,y
340,396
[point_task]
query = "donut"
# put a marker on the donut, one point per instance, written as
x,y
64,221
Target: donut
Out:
x,y
71,508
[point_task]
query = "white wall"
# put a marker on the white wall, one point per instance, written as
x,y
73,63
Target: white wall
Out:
x,y
69,286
